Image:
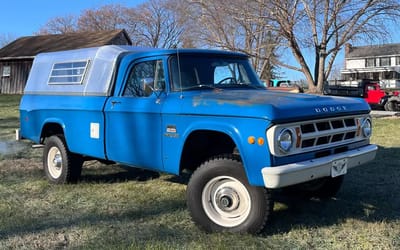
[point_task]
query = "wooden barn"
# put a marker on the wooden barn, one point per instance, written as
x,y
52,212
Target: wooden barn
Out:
x,y
16,58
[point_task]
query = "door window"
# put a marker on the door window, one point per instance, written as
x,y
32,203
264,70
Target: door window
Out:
x,y
144,78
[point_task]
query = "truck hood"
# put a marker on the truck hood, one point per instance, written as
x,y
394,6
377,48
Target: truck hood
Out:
x,y
275,106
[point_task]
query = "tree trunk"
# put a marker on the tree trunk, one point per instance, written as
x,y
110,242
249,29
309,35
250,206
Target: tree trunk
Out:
x,y
321,72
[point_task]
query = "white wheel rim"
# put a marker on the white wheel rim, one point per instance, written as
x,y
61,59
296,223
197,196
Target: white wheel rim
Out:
x,y
54,162
226,201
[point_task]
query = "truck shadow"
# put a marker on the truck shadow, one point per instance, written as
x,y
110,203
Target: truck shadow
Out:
x,y
117,173
369,193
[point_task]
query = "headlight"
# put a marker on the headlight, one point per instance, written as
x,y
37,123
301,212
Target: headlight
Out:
x,y
285,140
366,127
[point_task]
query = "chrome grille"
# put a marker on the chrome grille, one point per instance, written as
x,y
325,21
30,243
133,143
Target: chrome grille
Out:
x,y
318,134
324,132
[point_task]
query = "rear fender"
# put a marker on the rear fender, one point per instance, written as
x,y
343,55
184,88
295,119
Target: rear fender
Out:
x,y
52,126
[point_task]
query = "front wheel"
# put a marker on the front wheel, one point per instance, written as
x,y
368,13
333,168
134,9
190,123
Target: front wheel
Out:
x,y
60,165
220,198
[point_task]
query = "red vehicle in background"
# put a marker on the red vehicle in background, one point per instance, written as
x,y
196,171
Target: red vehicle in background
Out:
x,y
368,89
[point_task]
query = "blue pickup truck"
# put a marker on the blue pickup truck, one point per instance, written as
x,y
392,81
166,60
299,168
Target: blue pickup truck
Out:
x,y
202,112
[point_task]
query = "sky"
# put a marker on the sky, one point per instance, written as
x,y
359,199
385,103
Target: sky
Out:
x,y
26,17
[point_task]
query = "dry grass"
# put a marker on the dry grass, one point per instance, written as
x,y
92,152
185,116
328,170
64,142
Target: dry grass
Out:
x,y
114,207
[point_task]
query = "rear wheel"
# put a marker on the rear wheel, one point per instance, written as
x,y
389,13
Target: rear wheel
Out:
x,y
395,106
392,106
388,106
60,165
220,198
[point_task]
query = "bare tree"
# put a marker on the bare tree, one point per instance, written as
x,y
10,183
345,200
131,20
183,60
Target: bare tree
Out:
x,y
153,23
107,17
156,24
325,26
59,25
237,25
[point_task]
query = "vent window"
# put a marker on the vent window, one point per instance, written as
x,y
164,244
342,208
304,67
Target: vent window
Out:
x,y
68,72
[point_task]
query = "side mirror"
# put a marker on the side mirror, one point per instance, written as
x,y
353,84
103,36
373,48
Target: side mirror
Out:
x,y
147,84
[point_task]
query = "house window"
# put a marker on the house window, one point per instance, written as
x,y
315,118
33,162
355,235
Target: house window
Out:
x,y
370,62
384,61
6,71
397,60
68,72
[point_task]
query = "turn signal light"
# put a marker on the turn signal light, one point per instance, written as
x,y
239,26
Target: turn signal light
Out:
x,y
251,140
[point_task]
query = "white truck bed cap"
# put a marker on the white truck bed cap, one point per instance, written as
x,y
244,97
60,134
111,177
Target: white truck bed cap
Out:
x,y
87,71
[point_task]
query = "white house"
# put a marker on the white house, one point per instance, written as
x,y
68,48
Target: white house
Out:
x,y
377,62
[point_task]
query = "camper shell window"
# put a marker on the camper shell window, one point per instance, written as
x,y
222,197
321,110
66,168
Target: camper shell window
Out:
x,y
68,72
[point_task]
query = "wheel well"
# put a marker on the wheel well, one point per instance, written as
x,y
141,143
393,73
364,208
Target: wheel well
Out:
x,y
50,129
203,144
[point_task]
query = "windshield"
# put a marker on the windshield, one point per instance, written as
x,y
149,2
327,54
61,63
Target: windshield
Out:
x,y
211,71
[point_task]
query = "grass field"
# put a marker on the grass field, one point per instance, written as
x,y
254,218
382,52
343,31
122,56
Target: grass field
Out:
x,y
113,207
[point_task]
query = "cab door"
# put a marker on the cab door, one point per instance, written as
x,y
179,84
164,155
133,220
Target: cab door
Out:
x,y
133,116
374,95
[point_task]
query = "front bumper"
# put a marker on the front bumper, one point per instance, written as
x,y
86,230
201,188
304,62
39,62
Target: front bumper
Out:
x,y
299,172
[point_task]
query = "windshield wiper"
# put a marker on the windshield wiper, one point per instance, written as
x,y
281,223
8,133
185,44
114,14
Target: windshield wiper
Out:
x,y
200,86
243,85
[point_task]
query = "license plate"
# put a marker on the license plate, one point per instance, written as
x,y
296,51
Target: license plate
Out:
x,y
339,167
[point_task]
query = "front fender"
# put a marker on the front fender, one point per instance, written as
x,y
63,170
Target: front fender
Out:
x,y
254,156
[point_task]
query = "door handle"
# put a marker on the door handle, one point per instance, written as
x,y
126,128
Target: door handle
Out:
x,y
114,102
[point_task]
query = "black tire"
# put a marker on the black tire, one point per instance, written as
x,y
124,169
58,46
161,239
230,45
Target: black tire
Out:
x,y
392,106
60,165
395,106
386,106
323,188
219,198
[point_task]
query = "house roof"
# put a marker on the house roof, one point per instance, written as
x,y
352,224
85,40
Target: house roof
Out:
x,y
374,50
30,46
